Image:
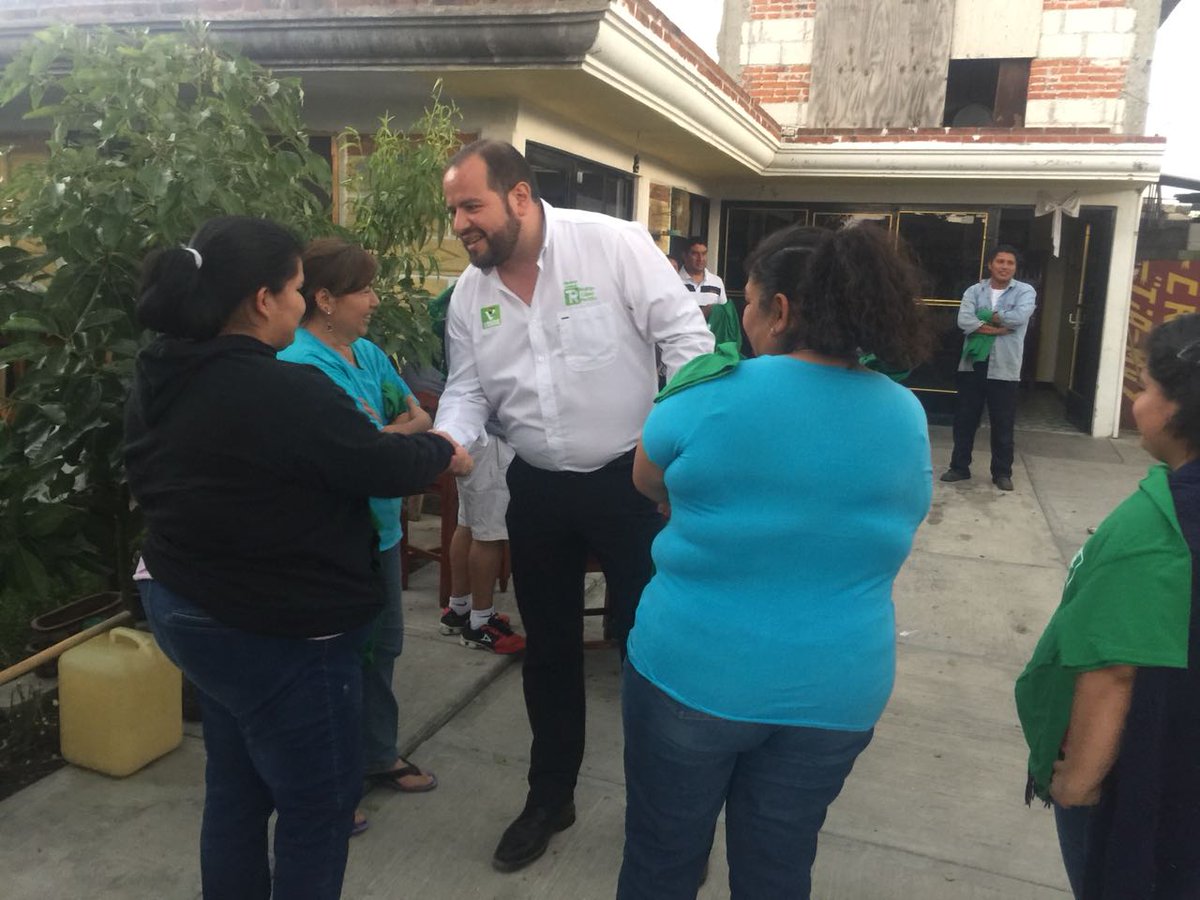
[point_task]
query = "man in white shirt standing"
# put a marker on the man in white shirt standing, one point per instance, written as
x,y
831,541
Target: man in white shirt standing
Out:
x,y
554,328
708,287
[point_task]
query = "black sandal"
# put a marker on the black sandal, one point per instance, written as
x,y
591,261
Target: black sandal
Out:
x,y
391,779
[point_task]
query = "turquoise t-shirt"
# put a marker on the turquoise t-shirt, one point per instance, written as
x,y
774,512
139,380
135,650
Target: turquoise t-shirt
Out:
x,y
365,384
796,490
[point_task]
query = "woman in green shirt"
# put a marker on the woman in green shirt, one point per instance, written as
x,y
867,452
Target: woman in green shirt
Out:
x,y
1110,701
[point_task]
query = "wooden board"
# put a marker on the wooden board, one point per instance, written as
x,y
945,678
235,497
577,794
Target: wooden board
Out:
x,y
985,29
880,63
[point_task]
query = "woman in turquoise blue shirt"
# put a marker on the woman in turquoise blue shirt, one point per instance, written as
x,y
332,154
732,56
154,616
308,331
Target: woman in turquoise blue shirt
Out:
x,y
339,303
764,648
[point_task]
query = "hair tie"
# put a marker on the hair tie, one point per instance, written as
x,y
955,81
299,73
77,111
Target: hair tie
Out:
x,y
195,255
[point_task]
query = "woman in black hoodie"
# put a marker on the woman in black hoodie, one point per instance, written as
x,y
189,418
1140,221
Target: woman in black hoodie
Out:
x,y
261,566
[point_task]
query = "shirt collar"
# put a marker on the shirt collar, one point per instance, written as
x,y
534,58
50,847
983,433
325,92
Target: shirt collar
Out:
x,y
549,217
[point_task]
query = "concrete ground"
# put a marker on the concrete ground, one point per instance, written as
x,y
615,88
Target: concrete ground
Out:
x,y
933,809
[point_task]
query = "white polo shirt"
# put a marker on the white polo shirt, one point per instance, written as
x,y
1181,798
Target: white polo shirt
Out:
x,y
571,375
710,290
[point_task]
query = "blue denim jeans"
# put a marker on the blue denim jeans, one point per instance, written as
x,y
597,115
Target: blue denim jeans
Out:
x,y
381,713
282,733
1073,824
682,765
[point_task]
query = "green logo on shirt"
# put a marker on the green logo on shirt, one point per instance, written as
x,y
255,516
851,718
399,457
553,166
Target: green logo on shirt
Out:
x,y
575,293
489,316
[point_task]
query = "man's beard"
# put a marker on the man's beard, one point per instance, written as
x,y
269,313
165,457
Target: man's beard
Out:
x,y
500,244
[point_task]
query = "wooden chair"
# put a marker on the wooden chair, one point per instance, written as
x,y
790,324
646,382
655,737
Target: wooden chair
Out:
x,y
445,488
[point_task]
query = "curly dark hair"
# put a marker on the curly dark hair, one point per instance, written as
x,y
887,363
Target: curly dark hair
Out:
x,y
851,292
1178,377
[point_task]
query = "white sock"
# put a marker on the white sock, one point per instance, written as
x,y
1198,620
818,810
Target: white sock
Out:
x,y
460,604
480,617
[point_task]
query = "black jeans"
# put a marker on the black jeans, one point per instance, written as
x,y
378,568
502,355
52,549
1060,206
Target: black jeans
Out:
x,y
554,519
975,390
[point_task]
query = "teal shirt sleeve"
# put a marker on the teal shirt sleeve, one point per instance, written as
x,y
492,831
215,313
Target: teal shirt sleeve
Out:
x,y
658,435
393,390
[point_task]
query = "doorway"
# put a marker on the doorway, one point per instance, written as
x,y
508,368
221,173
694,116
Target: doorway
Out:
x,y
1086,249
1063,343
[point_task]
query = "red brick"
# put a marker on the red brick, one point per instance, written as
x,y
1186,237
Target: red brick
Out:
x,y
782,9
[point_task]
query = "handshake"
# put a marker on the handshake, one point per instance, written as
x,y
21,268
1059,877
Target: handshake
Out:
x,y
461,463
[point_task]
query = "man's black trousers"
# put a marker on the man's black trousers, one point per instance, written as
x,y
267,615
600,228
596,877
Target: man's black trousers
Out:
x,y
976,390
554,520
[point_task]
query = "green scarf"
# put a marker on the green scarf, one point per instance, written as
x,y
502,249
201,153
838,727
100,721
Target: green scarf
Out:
x,y
720,362
875,364
723,323
978,347
1127,601
725,359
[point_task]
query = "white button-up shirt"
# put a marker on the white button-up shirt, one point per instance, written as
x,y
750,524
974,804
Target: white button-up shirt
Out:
x,y
709,291
571,375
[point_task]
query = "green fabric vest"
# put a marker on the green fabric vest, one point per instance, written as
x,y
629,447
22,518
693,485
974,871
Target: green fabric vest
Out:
x,y
1127,601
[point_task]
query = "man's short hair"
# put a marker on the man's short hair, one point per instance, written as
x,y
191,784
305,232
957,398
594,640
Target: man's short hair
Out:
x,y
1003,248
506,167
693,241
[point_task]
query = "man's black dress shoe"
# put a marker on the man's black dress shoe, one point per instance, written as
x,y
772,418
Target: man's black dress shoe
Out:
x,y
528,836
1003,482
955,475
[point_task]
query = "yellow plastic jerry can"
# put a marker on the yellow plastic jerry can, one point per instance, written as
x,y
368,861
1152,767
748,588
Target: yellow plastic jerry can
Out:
x,y
119,703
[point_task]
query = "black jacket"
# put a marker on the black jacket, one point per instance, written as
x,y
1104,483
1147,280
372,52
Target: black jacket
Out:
x,y
253,475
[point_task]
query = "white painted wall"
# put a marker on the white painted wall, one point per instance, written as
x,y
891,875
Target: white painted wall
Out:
x,y
534,124
1106,418
1074,111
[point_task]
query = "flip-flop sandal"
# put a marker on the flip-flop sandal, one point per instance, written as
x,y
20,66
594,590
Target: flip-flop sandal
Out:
x,y
359,826
391,779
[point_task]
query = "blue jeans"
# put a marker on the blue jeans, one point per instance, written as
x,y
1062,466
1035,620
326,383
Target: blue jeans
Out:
x,y
381,713
1073,824
282,732
682,765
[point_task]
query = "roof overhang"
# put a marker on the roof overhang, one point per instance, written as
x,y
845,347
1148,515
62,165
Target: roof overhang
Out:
x,y
601,65
630,59
588,61
1136,163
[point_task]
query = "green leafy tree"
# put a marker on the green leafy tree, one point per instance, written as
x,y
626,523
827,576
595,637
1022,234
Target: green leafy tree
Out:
x,y
149,137
397,212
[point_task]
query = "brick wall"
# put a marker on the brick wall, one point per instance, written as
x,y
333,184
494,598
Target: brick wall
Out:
x,y
1078,78
782,9
1051,79
776,57
777,84
1079,75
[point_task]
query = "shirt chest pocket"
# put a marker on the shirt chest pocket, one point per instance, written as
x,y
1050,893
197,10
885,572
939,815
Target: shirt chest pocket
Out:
x,y
588,335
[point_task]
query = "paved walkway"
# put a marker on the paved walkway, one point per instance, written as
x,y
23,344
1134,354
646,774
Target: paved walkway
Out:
x,y
933,809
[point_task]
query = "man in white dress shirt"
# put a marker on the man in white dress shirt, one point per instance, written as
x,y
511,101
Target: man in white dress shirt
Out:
x,y
554,328
707,286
